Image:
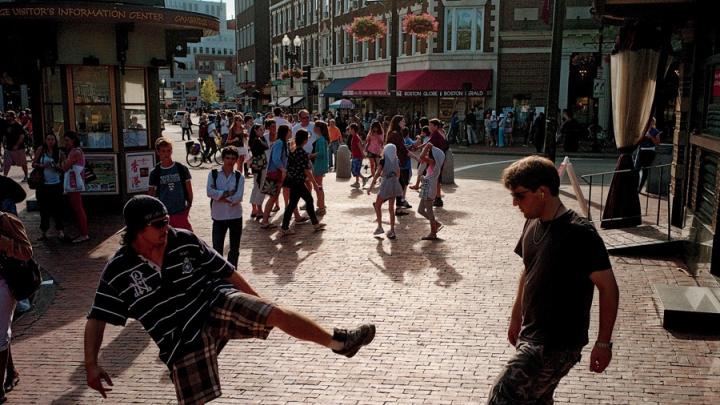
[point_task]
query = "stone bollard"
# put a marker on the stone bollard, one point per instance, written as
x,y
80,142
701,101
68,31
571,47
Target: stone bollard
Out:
x,y
342,163
448,172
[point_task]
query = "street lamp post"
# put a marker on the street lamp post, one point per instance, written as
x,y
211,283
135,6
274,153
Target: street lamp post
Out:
x,y
292,56
199,98
246,70
394,39
276,61
220,86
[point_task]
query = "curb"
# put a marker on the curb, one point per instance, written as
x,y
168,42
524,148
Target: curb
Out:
x,y
468,151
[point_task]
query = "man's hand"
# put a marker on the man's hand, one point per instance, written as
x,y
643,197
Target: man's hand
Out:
x,y
514,330
600,358
95,375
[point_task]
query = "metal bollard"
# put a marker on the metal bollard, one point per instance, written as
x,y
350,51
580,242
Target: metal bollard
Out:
x,y
342,163
448,172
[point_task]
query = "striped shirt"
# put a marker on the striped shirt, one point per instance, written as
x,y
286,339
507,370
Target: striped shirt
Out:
x,y
171,303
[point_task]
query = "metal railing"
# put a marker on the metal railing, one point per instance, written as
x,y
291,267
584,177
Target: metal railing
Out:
x,y
655,181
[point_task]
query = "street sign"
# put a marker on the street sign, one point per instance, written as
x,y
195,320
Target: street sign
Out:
x,y
599,88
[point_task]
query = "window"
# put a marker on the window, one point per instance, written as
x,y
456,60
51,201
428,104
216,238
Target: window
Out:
x,y
91,96
53,101
463,29
134,115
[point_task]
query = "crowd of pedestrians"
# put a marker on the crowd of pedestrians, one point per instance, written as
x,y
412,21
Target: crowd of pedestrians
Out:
x,y
291,155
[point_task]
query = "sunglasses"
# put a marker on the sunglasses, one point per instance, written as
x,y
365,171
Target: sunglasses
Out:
x,y
160,223
519,195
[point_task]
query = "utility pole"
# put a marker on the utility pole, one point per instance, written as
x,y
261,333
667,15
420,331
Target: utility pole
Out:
x,y
394,40
553,112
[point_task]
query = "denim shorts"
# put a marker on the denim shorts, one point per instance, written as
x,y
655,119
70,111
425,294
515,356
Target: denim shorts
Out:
x,y
356,167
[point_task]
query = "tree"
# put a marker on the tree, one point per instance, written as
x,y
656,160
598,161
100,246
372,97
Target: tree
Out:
x,y
208,91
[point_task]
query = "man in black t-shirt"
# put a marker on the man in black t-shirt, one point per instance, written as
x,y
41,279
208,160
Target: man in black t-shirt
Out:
x,y
565,259
14,137
191,301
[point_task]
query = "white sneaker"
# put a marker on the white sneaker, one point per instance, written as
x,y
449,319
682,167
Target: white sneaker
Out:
x,y
379,231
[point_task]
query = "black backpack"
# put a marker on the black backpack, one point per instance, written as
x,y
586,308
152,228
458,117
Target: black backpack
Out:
x,y
214,173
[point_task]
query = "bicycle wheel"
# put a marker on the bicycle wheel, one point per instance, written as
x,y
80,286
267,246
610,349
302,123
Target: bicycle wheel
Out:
x,y
194,160
218,157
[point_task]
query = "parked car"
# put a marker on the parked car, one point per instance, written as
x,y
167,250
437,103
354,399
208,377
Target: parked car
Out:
x,y
177,117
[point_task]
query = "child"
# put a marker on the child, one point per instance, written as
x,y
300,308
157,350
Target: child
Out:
x,y
357,155
434,158
424,136
390,188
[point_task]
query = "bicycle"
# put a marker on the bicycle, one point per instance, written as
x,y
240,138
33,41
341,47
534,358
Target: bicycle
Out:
x,y
195,157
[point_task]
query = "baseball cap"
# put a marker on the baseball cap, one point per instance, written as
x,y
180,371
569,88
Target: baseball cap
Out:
x,y
140,210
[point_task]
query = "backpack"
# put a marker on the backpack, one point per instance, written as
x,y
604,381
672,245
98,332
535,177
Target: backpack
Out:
x,y
214,173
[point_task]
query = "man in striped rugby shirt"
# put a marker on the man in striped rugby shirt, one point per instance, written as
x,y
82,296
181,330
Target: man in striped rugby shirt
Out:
x,y
191,301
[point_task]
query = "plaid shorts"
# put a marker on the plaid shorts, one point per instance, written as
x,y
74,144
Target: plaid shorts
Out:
x,y
532,374
234,315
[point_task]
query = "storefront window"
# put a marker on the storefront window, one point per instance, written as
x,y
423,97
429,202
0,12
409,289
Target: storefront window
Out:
x,y
91,96
134,114
712,123
93,123
53,109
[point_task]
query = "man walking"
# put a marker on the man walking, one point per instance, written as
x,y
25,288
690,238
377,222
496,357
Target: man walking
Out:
x,y
14,135
170,182
438,140
565,259
191,301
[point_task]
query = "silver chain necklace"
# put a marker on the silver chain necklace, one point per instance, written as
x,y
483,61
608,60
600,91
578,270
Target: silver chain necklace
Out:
x,y
537,241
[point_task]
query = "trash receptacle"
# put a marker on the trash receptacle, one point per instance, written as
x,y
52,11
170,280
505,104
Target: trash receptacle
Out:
x,y
342,163
658,179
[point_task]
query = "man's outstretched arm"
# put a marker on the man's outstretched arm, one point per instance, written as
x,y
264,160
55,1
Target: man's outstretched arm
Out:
x,y
94,330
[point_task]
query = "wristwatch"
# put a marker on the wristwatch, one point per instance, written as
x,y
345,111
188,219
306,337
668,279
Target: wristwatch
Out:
x,y
603,345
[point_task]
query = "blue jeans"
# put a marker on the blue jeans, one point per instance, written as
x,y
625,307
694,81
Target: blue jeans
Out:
x,y
220,229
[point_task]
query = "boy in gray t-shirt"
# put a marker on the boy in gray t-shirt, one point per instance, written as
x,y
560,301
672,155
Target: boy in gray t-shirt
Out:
x,y
170,183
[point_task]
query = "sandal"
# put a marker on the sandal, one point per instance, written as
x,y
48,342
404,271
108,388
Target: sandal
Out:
x,y
321,211
267,226
11,383
414,187
302,219
429,237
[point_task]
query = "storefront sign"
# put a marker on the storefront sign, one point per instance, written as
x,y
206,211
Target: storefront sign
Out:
x,y
716,83
104,166
442,93
108,13
137,168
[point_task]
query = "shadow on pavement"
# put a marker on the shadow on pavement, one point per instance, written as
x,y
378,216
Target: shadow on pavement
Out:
x,y
115,358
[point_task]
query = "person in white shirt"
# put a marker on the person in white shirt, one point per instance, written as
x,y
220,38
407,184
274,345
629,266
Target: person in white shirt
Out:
x,y
307,124
225,189
224,126
279,119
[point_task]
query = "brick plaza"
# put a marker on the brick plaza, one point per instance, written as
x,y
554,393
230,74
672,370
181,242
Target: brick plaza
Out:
x,y
441,309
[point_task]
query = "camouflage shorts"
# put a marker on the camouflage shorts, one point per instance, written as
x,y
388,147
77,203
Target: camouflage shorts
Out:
x,y
531,375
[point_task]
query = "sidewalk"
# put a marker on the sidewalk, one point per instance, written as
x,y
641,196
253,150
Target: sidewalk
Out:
x,y
524,151
441,309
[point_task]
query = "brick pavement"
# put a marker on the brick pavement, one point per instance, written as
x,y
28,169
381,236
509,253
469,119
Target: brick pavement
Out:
x,y
441,310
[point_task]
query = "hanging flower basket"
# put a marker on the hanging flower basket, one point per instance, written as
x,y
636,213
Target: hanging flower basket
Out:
x,y
367,28
421,25
295,73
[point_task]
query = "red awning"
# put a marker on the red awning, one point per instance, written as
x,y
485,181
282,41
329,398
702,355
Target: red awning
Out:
x,y
426,83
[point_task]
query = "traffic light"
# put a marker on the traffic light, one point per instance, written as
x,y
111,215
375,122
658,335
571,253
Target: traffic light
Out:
x,y
306,73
